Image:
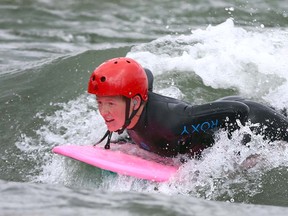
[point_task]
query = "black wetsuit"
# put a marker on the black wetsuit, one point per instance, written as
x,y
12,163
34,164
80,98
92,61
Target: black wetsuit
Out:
x,y
169,126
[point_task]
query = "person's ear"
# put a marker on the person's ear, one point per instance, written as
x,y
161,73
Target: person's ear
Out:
x,y
136,102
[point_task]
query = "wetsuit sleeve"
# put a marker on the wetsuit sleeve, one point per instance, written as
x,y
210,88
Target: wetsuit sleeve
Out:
x,y
267,121
223,111
199,123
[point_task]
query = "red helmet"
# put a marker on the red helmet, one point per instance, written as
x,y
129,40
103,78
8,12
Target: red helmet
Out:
x,y
119,76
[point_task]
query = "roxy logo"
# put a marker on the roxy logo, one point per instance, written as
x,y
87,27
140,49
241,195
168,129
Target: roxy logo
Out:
x,y
201,127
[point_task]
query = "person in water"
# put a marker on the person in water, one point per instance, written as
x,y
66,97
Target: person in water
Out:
x,y
167,126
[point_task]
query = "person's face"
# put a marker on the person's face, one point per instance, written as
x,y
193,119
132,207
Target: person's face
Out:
x,y
112,109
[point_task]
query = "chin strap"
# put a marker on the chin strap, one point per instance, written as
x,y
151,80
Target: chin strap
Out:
x,y
128,119
107,134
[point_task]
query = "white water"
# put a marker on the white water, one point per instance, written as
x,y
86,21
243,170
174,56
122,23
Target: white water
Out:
x,y
224,56
221,171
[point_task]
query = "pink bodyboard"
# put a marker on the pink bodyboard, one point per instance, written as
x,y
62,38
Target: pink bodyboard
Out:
x,y
119,162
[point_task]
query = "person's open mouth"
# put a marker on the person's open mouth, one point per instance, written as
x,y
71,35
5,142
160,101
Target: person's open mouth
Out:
x,y
108,121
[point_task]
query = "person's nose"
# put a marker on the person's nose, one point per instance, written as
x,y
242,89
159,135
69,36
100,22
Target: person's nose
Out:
x,y
104,110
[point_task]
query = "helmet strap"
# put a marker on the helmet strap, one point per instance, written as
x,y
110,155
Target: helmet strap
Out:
x,y
128,118
108,134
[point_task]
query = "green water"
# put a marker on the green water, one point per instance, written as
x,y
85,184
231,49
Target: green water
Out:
x,y
48,50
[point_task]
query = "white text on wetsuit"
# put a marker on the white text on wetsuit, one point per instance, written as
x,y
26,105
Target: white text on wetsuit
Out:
x,y
201,127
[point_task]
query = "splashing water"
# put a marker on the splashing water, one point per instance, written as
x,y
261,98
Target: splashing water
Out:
x,y
223,173
223,56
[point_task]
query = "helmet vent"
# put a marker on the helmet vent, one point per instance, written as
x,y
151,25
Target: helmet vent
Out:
x,y
115,62
93,78
128,61
103,79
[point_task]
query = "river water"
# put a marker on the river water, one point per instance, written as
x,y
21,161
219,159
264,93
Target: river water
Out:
x,y
198,51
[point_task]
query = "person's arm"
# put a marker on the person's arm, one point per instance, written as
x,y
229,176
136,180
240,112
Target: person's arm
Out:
x,y
198,124
224,112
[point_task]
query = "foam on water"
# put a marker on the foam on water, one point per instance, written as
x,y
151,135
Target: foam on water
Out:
x,y
254,62
222,173
75,122
226,172
224,56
